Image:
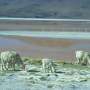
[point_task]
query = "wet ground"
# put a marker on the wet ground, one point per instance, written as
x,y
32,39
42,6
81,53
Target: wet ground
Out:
x,y
66,78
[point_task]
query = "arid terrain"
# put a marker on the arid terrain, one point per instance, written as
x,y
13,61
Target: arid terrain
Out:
x,y
45,25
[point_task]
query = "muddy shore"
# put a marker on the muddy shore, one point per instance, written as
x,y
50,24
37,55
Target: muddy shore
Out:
x,y
41,25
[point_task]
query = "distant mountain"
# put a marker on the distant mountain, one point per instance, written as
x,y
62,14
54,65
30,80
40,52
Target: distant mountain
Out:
x,y
45,8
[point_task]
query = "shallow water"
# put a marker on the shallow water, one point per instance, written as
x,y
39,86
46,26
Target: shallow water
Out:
x,y
58,45
64,35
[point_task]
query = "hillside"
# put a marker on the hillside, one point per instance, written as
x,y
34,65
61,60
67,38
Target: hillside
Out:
x,y
45,8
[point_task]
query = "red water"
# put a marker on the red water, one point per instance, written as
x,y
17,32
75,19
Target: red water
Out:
x,y
32,49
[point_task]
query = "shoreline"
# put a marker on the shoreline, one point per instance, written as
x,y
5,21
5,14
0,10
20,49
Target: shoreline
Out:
x,y
62,49
48,35
45,25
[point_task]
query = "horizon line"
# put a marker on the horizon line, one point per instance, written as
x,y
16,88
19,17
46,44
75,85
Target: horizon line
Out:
x,y
41,19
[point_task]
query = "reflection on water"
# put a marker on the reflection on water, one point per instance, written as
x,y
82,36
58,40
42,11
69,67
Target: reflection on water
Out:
x,y
53,47
69,35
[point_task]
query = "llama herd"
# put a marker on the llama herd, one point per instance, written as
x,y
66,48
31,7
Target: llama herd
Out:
x,y
82,58
9,59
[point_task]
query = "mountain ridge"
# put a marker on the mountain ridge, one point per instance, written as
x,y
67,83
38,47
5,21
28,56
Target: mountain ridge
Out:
x,y
77,9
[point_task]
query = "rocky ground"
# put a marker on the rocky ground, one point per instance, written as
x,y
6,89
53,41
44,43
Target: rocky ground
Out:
x,y
67,77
